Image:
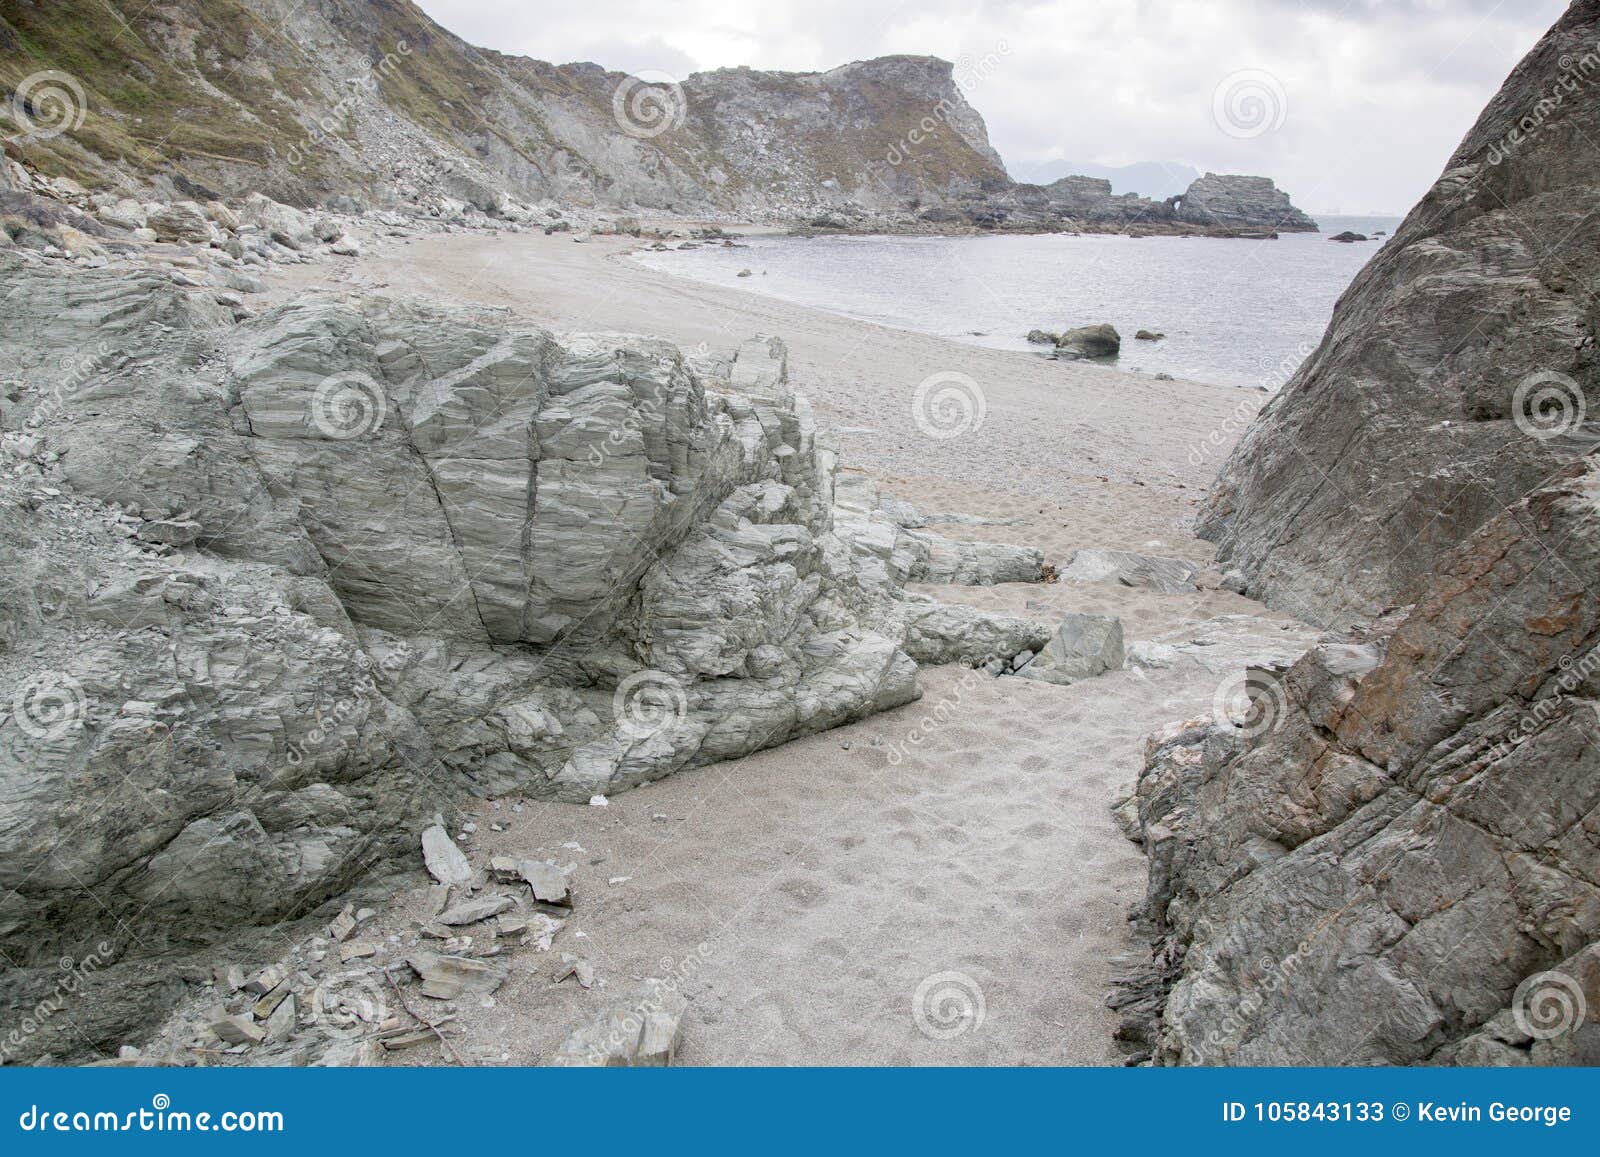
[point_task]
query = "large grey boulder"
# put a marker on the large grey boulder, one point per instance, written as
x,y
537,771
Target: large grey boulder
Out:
x,y
1457,374
949,633
275,593
1090,341
179,221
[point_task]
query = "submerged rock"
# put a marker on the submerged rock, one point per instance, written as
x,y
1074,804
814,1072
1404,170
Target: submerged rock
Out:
x,y
1090,341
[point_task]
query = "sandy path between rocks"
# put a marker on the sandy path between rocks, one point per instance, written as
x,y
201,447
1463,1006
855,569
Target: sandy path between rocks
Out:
x,y
803,894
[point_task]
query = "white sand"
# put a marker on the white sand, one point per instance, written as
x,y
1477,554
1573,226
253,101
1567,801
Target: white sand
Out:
x,y
824,879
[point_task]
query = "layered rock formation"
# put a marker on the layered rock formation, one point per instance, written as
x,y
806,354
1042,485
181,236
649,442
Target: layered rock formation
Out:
x,y
1393,858
1457,373
1227,205
1240,202
205,100
212,99
1388,852
276,591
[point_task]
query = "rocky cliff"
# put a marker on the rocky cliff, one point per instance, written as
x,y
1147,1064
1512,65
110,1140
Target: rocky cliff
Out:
x,y
1390,856
370,99
368,102
1458,370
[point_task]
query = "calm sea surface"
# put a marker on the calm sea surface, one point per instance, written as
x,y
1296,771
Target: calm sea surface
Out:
x,y
1241,313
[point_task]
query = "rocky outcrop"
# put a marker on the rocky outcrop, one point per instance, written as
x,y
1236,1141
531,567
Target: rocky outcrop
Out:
x,y
1385,852
209,99
1458,371
1223,204
1389,857
1240,202
196,101
276,591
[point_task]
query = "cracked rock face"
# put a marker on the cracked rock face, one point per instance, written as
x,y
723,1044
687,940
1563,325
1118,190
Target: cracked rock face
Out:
x,y
1396,859
276,592
1457,374
1392,856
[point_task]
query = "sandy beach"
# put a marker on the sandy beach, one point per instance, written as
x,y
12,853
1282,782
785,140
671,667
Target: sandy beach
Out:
x,y
959,847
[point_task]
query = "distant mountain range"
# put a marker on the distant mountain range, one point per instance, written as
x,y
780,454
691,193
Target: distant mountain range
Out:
x,y
1157,180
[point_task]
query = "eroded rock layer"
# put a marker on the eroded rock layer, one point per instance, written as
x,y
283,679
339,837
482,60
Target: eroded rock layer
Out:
x,y
1396,858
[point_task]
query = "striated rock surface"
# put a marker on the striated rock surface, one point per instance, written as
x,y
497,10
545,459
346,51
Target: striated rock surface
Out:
x,y
1386,852
276,592
196,101
1241,202
1457,374
212,99
1390,858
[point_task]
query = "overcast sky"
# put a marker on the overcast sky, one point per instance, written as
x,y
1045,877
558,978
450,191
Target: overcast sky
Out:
x,y
1350,105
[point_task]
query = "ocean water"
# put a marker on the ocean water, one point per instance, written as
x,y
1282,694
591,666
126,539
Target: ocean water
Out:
x,y
1234,312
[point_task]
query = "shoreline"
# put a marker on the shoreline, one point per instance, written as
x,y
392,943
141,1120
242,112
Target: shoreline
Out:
x,y
817,884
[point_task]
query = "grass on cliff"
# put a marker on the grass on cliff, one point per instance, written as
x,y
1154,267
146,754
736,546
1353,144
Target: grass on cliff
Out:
x,y
180,87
